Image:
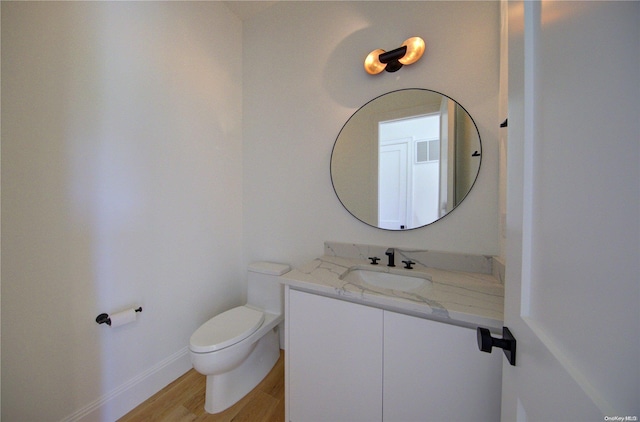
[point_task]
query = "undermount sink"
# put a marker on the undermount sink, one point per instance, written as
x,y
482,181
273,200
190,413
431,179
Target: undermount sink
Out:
x,y
386,278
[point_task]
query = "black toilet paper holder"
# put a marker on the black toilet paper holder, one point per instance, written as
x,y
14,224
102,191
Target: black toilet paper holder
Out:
x,y
104,318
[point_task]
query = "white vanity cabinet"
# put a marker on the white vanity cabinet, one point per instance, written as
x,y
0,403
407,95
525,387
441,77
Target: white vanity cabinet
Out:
x,y
333,360
434,372
350,362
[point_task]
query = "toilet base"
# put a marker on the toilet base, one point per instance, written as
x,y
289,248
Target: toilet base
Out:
x,y
226,389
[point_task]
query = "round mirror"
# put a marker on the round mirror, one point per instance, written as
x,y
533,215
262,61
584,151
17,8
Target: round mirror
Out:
x,y
405,159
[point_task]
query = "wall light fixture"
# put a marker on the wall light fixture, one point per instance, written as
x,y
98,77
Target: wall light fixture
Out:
x,y
409,52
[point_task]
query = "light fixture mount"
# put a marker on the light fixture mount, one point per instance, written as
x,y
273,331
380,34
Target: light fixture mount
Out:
x,y
391,58
409,52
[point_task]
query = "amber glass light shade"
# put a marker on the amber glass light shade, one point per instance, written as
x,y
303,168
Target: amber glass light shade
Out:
x,y
415,50
372,64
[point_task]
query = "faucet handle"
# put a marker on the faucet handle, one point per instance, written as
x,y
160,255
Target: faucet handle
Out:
x,y
374,260
408,264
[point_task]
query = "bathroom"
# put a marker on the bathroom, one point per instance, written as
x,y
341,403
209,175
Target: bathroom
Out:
x,y
151,151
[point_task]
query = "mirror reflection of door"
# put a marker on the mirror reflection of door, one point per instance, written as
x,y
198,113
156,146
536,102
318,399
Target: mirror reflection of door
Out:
x,y
408,172
356,160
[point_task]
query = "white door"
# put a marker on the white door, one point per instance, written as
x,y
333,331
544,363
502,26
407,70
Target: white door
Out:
x,y
572,297
393,185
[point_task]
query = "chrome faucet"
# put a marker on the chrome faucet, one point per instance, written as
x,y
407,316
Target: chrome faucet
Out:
x,y
391,253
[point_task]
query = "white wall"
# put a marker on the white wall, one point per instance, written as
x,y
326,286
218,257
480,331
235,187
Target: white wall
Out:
x,y
121,186
304,77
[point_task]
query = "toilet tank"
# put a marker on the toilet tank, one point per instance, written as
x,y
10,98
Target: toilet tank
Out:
x,y
264,291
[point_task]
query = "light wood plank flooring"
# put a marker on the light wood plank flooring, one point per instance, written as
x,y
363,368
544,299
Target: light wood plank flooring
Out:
x,y
183,400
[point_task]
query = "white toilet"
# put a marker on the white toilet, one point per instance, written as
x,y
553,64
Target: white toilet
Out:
x,y
237,348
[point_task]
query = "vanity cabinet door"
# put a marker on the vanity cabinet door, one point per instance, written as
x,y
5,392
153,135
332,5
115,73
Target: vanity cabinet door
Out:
x,y
334,354
435,372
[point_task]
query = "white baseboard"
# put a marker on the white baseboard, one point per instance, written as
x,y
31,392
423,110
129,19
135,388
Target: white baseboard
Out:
x,y
132,393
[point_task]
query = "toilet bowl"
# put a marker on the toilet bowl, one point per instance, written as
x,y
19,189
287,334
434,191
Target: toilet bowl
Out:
x,y
237,348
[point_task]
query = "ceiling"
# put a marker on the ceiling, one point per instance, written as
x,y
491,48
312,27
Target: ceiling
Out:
x,y
246,9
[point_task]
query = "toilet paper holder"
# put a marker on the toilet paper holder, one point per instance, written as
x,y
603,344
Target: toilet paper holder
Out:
x,y
104,318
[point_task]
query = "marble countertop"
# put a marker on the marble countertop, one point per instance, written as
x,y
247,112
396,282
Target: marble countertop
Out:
x,y
462,298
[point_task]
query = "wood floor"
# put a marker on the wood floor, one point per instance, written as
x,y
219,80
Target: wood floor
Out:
x,y
183,400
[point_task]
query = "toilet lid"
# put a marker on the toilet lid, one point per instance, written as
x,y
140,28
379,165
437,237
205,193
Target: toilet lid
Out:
x,y
226,329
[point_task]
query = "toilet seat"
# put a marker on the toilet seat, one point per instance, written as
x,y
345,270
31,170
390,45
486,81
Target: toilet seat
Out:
x,y
226,329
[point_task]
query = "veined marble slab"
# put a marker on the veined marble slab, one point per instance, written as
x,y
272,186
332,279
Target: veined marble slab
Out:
x,y
432,259
463,298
